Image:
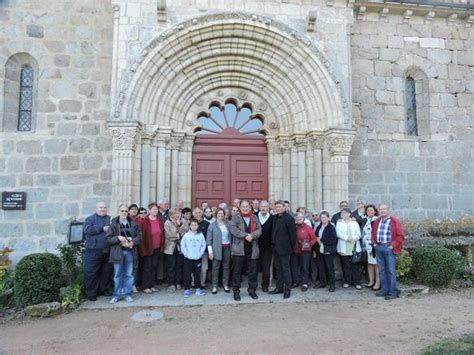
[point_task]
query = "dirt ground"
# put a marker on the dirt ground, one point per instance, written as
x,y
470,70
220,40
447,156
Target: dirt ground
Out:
x,y
401,326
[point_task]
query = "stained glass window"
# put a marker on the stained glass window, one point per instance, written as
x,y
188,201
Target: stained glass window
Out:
x,y
230,120
26,99
410,103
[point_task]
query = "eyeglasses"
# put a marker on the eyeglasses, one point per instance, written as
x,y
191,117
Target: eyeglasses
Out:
x,y
143,212
123,210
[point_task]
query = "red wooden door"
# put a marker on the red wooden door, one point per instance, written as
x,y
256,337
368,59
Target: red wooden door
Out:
x,y
230,167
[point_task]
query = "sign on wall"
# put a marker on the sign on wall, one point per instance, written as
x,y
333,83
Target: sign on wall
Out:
x,y
13,200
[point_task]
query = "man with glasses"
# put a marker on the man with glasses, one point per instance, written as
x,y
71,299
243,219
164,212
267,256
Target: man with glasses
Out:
x,y
337,216
97,269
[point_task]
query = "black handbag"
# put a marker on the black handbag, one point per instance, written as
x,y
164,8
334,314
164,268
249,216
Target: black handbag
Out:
x,y
358,256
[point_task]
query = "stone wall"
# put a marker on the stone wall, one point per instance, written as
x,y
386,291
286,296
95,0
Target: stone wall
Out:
x,y
64,164
424,177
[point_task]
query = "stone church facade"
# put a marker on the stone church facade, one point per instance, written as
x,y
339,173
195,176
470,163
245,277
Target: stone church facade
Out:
x,y
356,99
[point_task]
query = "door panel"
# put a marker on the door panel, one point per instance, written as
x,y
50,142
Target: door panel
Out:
x,y
249,177
224,169
209,178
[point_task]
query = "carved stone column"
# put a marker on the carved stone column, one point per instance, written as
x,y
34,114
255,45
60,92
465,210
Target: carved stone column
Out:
x,y
338,146
272,151
301,145
124,139
146,169
185,172
175,146
162,139
285,146
315,171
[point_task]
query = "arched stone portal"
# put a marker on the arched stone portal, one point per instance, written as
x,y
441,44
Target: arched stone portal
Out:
x,y
251,60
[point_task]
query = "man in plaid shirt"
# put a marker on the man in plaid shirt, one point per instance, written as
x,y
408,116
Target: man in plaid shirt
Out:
x,y
387,239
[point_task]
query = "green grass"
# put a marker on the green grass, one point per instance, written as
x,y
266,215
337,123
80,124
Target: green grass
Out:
x,y
463,346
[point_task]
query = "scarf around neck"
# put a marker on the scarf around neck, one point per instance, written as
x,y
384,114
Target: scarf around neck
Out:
x,y
249,215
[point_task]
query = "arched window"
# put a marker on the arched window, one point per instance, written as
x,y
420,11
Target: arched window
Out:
x,y
26,98
229,120
19,104
417,103
410,104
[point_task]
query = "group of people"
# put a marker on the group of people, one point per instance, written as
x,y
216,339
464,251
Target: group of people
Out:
x,y
221,244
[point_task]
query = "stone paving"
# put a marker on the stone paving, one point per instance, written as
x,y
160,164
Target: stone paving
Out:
x,y
164,298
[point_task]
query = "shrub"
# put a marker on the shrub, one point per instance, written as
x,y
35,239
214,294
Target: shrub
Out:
x,y
404,264
37,279
73,297
465,345
435,266
72,256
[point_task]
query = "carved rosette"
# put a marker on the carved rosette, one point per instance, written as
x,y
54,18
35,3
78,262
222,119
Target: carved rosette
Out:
x,y
339,145
124,137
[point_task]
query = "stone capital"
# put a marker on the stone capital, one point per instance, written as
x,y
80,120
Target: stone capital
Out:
x,y
272,145
176,142
300,142
285,143
188,141
339,144
125,137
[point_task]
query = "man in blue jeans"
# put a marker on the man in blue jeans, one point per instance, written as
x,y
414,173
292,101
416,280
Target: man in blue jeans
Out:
x,y
387,238
123,236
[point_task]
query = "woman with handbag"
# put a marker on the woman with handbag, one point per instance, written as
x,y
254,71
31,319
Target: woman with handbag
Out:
x,y
372,269
348,234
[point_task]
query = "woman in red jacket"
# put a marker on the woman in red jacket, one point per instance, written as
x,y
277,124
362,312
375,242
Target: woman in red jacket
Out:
x,y
301,258
151,247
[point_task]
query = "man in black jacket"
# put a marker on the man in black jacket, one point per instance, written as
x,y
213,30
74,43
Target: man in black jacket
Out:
x,y
283,241
337,216
97,269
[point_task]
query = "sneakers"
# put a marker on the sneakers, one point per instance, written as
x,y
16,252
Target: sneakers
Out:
x,y
359,287
134,289
178,287
129,299
113,300
147,290
200,292
214,290
154,289
345,285
171,288
304,288
186,293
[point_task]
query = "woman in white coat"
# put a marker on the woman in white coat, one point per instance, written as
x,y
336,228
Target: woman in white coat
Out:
x,y
348,236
